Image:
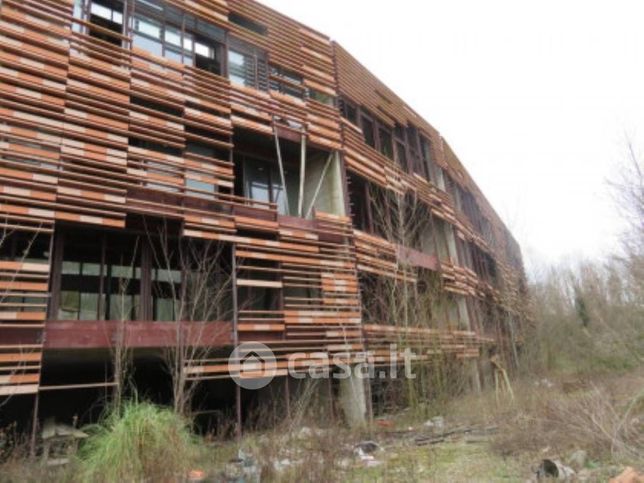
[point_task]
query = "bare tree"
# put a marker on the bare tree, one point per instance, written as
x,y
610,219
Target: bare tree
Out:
x,y
193,276
628,191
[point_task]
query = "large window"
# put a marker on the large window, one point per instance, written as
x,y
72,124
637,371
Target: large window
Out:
x,y
200,182
166,31
262,182
100,277
247,65
286,82
107,15
386,142
368,130
119,276
349,111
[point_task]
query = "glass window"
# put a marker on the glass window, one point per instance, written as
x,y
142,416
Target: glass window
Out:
x,y
147,44
247,23
257,181
321,97
110,11
101,11
166,290
172,36
202,187
401,156
286,82
386,143
349,111
241,69
147,27
173,54
368,132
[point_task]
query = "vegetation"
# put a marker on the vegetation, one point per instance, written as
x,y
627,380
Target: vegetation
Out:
x,y
142,442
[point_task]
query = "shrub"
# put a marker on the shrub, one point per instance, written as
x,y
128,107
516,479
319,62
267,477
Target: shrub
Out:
x,y
140,442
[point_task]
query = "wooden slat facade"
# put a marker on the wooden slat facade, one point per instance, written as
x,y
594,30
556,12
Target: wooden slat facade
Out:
x,y
76,125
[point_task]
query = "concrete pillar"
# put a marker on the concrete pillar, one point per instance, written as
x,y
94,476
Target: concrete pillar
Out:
x,y
353,400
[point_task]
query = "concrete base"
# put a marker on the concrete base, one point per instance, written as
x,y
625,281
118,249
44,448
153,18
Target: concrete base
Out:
x,y
353,401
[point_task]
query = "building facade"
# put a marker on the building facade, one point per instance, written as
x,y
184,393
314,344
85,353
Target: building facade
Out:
x,y
186,175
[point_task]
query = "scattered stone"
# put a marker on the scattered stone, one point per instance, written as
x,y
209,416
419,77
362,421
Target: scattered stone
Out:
x,y
578,459
555,469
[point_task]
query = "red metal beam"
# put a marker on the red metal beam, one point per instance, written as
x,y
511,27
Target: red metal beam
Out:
x,y
97,334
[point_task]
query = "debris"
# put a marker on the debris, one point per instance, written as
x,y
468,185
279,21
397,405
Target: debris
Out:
x,y
554,468
426,440
196,475
544,383
384,423
60,441
281,465
578,459
439,423
629,475
367,447
244,469
584,475
304,433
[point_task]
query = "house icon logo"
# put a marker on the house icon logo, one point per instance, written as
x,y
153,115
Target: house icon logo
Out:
x,y
252,365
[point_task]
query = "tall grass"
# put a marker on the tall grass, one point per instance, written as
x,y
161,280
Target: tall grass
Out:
x,y
141,442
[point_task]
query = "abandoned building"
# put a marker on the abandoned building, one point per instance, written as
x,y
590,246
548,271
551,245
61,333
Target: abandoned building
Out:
x,y
187,175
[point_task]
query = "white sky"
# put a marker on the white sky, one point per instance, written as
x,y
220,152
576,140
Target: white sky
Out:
x,y
536,98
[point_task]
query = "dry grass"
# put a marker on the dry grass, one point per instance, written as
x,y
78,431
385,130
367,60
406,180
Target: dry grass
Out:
x,y
552,418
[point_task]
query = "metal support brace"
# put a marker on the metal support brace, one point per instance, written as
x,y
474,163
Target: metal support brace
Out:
x,y
281,165
321,180
300,201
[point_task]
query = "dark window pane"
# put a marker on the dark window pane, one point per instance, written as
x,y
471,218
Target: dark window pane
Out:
x,y
257,182
69,305
367,131
386,143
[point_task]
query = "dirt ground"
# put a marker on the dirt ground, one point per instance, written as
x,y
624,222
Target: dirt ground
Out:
x,y
596,428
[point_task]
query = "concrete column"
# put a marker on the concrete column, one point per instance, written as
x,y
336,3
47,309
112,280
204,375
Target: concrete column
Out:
x,y
353,400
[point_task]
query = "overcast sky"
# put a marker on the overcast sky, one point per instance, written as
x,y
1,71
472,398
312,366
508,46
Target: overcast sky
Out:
x,y
536,98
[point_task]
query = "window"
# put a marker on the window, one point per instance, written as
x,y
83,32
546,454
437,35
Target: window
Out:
x,y
368,131
386,143
262,182
168,32
349,111
247,23
147,35
241,69
247,66
401,155
286,82
166,290
321,97
107,14
358,203
100,279
200,183
426,154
